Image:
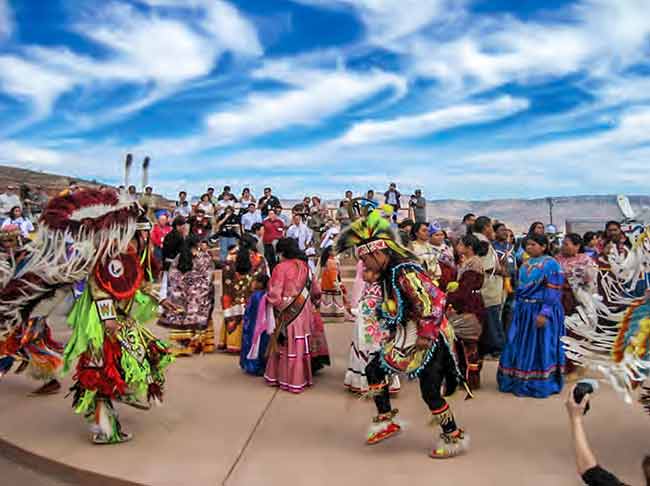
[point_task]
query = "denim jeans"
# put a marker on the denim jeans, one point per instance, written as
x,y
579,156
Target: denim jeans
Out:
x,y
224,243
495,338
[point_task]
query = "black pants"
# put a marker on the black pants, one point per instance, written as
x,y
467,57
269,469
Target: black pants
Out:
x,y
431,379
269,254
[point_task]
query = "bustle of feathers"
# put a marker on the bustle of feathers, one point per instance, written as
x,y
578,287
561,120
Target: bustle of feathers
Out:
x,y
610,330
75,231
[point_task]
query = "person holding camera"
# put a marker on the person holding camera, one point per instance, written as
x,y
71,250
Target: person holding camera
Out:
x,y
418,205
587,464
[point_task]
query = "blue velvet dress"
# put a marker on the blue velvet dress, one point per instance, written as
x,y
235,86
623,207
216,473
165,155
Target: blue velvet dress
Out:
x,y
532,363
253,366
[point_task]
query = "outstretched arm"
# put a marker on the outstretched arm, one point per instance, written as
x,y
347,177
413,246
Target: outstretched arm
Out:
x,y
585,458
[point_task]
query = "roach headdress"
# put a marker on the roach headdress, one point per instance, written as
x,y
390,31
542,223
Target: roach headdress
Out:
x,y
370,234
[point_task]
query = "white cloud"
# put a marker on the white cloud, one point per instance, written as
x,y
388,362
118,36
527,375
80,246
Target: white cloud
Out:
x,y
433,121
598,36
32,82
389,20
327,94
608,147
6,20
149,50
313,96
19,155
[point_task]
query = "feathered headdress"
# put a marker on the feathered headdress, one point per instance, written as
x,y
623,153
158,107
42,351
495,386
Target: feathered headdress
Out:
x,y
370,234
128,162
145,173
75,231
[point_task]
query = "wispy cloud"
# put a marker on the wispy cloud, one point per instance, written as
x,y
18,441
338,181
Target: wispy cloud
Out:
x,y
433,121
387,20
6,20
145,49
190,83
597,36
33,83
326,94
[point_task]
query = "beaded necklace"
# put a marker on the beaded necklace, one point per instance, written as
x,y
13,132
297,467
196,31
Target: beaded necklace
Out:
x,y
391,321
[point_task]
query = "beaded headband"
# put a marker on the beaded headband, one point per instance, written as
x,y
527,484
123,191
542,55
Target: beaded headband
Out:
x,y
371,247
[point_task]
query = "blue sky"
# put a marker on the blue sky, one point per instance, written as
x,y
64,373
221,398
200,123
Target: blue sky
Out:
x,y
465,99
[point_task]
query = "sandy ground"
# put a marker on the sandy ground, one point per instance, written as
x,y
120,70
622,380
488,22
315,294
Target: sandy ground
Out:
x,y
219,426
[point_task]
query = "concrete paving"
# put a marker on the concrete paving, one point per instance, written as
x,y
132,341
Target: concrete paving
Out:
x,y
219,426
14,474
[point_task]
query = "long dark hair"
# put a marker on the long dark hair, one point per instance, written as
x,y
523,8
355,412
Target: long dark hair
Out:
x,y
325,256
531,229
289,249
416,227
577,240
478,227
185,263
243,264
471,241
541,240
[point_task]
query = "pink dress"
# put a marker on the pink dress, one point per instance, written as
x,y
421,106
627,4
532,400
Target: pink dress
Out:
x,y
290,365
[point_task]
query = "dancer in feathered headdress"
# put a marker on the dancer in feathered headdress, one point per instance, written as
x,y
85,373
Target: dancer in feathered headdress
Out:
x,y
89,234
422,343
612,330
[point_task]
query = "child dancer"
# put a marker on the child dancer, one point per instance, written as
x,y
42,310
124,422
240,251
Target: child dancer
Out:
x,y
255,338
367,336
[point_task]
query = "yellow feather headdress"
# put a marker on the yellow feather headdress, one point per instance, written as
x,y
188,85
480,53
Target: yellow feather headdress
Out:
x,y
370,234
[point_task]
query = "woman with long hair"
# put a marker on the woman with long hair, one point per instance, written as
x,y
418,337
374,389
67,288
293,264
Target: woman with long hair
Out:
x,y
238,276
465,306
16,218
293,293
190,299
581,274
423,249
532,363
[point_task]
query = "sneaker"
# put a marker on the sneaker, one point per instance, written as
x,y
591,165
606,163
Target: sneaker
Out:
x,y
451,445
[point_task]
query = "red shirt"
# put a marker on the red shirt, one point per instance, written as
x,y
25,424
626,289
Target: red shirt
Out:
x,y
158,234
273,230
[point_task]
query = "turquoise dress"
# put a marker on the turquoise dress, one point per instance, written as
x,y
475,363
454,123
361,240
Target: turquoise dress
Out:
x,y
532,363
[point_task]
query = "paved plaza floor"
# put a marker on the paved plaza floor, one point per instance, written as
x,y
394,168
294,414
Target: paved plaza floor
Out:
x,y
219,426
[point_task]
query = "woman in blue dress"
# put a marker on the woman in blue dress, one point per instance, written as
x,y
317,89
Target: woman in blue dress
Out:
x,y
532,363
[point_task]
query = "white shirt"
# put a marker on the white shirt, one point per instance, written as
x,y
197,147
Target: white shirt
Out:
x,y
329,237
223,204
249,219
184,211
24,224
301,233
208,208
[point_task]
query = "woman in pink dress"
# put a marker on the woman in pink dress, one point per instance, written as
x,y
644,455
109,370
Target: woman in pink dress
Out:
x,y
292,292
